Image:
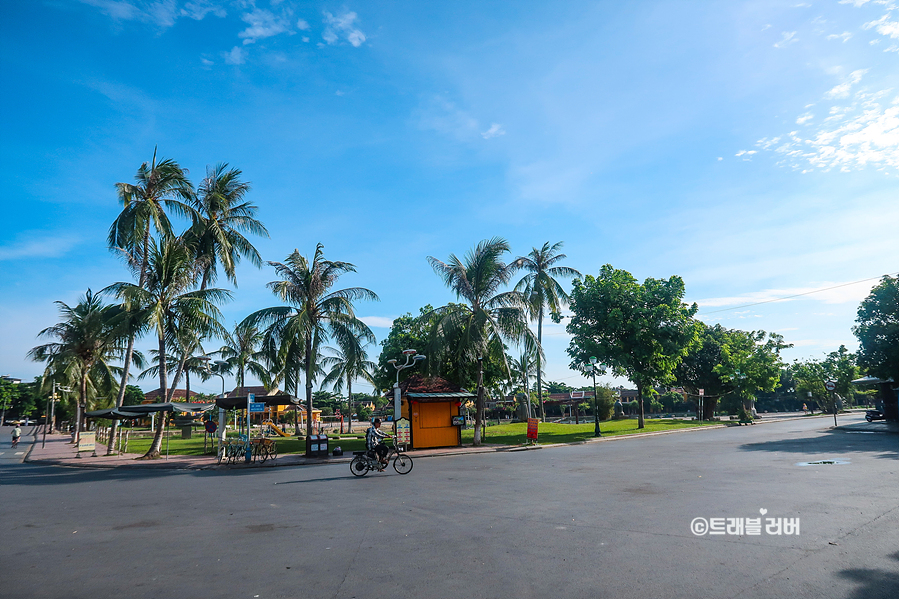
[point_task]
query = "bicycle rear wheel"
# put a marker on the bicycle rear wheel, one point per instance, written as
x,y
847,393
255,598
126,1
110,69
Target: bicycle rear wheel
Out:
x,y
358,466
402,463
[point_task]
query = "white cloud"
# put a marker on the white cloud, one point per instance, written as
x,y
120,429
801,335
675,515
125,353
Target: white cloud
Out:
x,y
803,119
161,13
720,158
378,322
842,90
342,25
262,24
302,25
198,9
787,37
845,36
237,55
884,26
206,62
495,130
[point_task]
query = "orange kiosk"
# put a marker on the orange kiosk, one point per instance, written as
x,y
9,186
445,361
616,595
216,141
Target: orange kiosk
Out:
x,y
431,404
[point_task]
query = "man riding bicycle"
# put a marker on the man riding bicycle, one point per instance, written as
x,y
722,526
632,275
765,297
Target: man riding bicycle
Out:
x,y
16,433
373,441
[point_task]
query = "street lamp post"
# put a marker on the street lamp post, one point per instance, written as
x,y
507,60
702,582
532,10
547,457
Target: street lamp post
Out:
x,y
592,368
222,422
51,413
411,360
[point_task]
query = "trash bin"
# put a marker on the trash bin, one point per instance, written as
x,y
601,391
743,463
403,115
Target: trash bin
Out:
x,y
322,446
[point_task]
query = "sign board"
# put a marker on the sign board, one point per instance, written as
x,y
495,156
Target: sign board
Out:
x,y
87,442
251,397
532,428
210,426
458,420
830,385
403,431
257,406
701,392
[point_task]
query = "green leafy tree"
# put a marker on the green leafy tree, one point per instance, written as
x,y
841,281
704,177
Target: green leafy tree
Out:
x,y
7,394
640,331
696,369
134,395
179,314
406,332
474,331
877,330
158,187
349,362
89,337
842,369
221,216
542,292
750,363
314,312
242,352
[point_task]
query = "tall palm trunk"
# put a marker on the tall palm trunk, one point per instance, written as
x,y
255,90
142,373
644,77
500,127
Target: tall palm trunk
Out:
x,y
82,401
349,403
163,388
539,351
129,351
479,405
308,391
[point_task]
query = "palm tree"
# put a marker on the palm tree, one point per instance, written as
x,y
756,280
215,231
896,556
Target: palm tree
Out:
x,y
158,187
314,312
350,362
178,315
220,215
542,291
467,333
89,337
241,352
522,375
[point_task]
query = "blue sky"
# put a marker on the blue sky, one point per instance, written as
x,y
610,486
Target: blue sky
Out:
x,y
750,147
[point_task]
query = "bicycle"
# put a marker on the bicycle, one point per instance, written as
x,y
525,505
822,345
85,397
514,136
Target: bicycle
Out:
x,y
365,461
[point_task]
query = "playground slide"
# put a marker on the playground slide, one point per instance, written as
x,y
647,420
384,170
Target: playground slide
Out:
x,y
276,429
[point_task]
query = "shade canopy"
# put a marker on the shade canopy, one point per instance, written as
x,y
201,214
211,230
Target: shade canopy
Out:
x,y
229,403
142,410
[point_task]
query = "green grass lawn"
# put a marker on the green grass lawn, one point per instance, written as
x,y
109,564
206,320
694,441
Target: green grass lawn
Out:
x,y
194,446
505,434
516,434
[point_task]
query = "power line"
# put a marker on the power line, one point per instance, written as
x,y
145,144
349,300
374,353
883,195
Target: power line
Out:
x,y
780,299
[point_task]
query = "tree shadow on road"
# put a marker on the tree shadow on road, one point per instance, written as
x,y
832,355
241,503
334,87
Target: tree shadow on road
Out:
x,y
834,441
873,583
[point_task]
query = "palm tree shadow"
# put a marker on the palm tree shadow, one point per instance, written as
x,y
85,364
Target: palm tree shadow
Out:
x,y
834,441
873,583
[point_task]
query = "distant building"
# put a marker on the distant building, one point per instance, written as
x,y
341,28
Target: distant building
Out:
x,y
156,396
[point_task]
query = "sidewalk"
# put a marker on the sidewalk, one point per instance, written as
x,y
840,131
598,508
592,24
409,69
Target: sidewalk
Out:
x,y
60,452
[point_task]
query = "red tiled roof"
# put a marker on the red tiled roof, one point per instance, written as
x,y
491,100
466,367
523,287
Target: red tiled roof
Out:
x,y
257,390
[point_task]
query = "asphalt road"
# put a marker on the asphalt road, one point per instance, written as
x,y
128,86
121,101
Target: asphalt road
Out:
x,y
608,519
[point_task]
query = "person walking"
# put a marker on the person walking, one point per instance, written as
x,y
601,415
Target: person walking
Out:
x,y
16,433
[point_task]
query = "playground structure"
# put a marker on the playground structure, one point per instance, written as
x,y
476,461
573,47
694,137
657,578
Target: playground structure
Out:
x,y
272,427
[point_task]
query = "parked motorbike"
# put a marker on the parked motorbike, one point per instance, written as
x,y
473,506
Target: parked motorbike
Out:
x,y
871,415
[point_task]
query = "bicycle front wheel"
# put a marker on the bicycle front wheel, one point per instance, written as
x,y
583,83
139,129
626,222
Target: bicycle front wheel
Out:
x,y
402,463
358,466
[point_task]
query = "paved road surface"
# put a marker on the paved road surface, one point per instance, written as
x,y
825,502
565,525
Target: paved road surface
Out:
x,y
609,519
8,455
